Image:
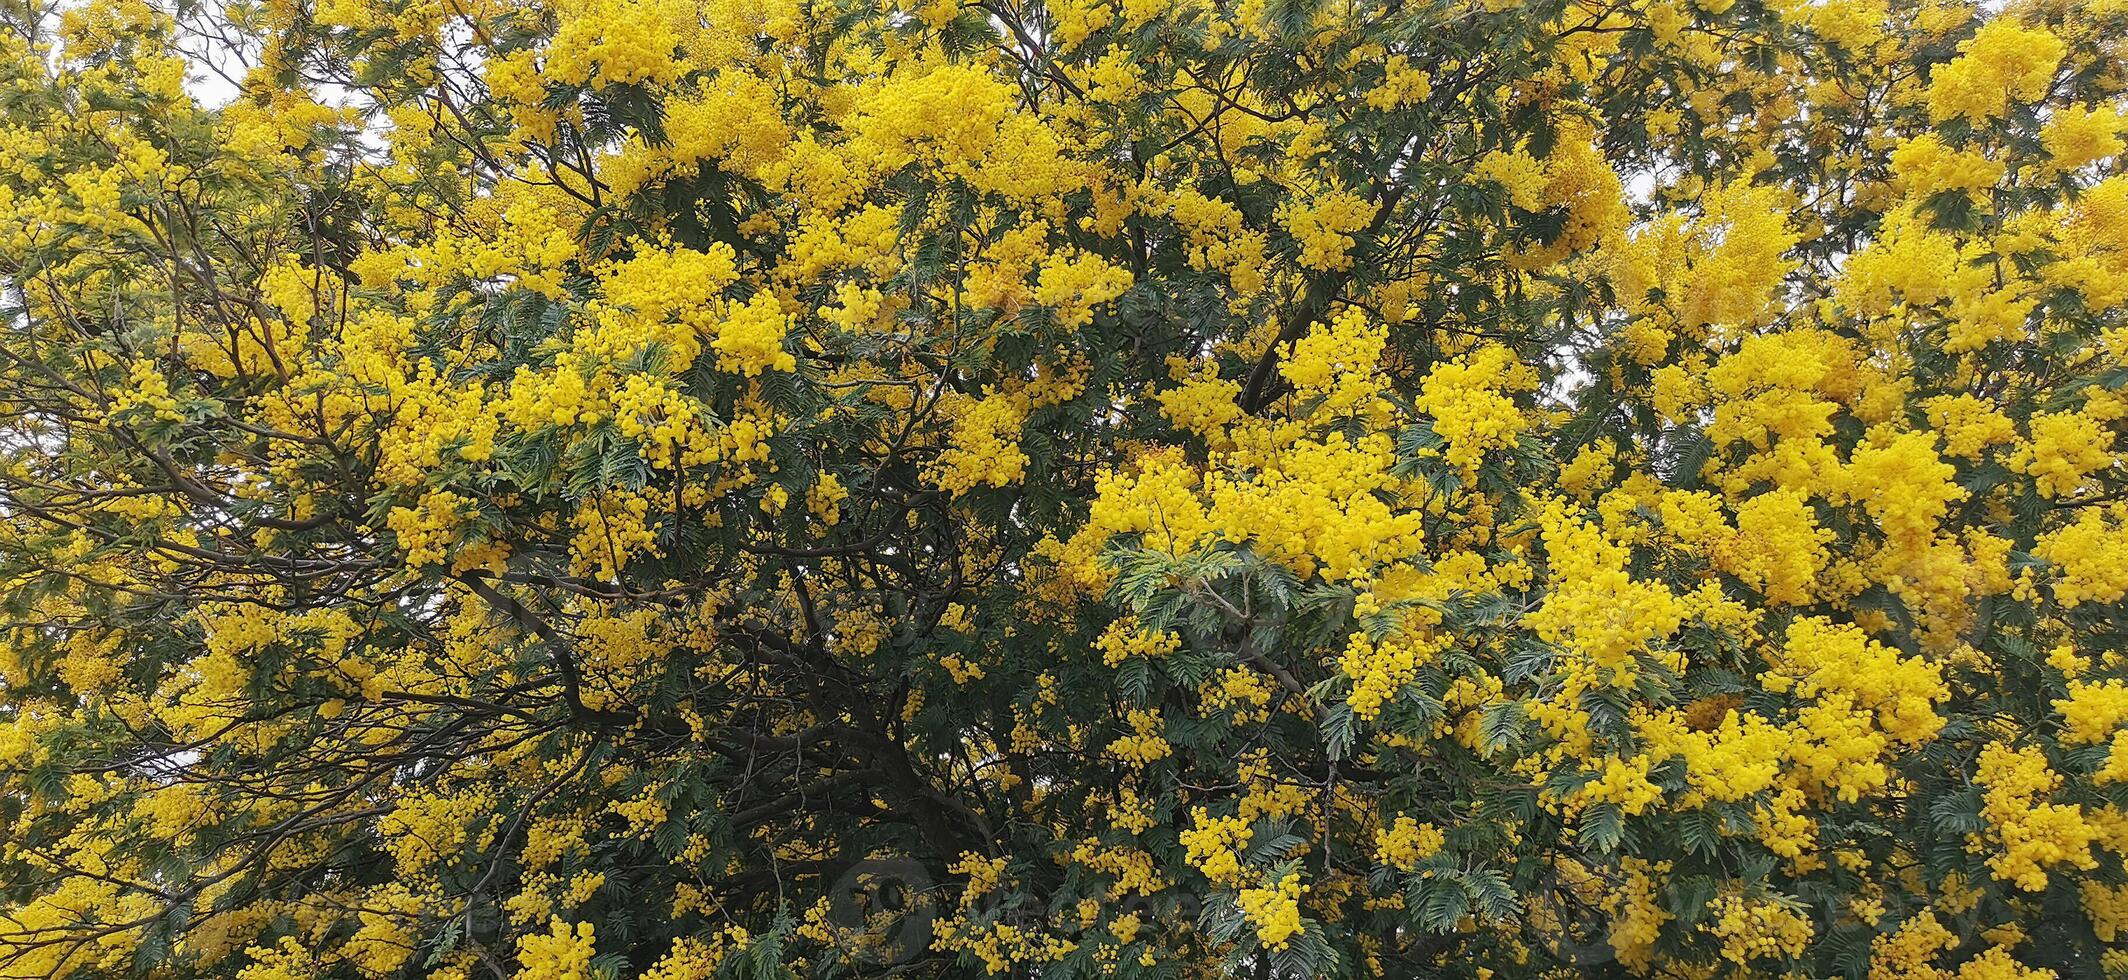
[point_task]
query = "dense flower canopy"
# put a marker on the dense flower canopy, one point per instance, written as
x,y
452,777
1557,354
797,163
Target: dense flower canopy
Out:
x,y
570,489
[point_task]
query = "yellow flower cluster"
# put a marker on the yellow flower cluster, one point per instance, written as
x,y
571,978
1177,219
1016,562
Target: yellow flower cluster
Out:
x,y
1405,843
1239,693
1379,669
1220,239
986,444
1132,869
1778,547
1911,950
1471,401
1159,503
1213,845
824,499
1323,227
673,292
665,423
1202,403
2004,60
1624,783
1338,361
146,388
560,954
1756,929
1521,175
1722,266
1275,910
1968,425
983,875
1402,85
1996,963
1924,167
1637,912
962,671
698,959
1905,486
721,120
750,339
610,532
427,532
1731,761
1831,661
1580,180
2092,711
2107,908
2076,136
2085,554
2064,448
1144,745
1126,638
1074,285
2029,833
1596,609
1908,262
1315,507
1001,946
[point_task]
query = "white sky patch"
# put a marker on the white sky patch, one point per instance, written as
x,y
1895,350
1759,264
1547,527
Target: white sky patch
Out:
x,y
212,44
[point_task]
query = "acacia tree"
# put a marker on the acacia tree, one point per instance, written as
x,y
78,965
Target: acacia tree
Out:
x,y
1169,489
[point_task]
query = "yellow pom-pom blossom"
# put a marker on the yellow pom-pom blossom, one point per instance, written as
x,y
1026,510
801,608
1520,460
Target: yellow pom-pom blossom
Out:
x,y
564,953
1407,842
2002,61
678,487
1755,929
1274,910
1472,406
2085,555
2077,136
1599,612
2027,834
2064,448
1324,227
1214,843
985,449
